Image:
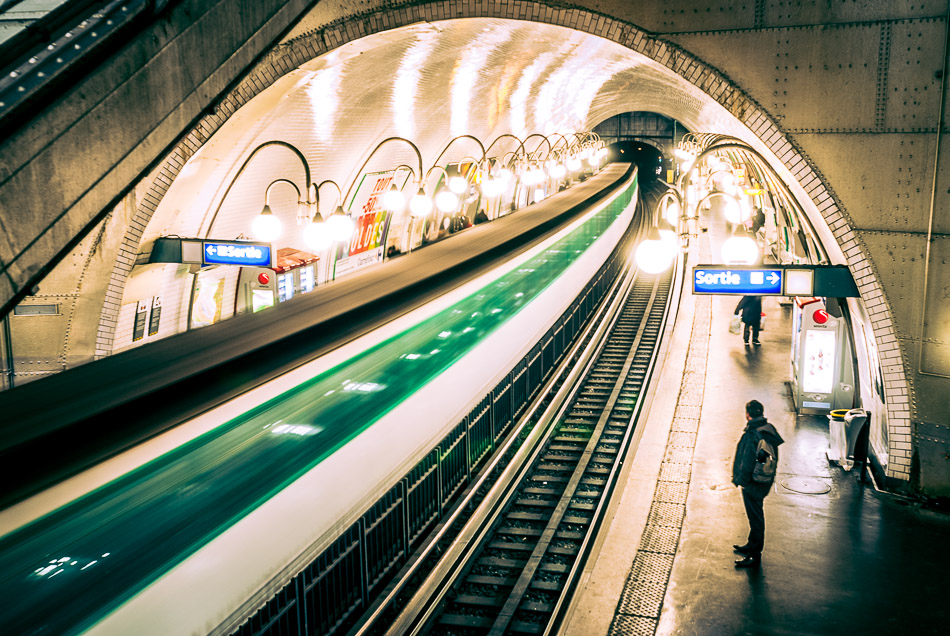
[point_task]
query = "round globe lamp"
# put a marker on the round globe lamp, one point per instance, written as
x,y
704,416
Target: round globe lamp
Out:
x,y
446,201
740,250
265,226
420,204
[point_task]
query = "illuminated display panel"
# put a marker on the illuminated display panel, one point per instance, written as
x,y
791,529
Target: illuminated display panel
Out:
x,y
261,299
818,362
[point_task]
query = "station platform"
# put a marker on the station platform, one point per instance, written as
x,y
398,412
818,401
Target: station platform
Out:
x,y
840,557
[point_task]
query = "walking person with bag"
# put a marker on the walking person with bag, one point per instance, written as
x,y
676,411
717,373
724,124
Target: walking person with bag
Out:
x,y
753,471
751,309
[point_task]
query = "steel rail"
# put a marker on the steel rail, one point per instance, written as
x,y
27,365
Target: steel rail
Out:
x,y
632,435
466,606
580,471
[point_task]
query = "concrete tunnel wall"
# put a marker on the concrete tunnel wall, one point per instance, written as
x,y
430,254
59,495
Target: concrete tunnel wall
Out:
x,y
818,95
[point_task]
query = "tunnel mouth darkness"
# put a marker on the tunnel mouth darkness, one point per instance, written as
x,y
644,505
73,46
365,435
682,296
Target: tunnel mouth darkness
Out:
x,y
429,81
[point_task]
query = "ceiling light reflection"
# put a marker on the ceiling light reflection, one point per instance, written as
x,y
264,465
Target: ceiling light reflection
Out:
x,y
521,95
406,83
466,74
323,92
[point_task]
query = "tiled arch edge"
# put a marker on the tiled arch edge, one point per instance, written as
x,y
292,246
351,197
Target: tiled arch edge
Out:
x,y
290,55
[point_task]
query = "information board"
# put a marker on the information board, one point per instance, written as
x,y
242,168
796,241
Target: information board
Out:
x,y
730,280
238,253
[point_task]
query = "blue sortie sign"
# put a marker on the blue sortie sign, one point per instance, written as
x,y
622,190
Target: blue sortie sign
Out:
x,y
747,282
247,254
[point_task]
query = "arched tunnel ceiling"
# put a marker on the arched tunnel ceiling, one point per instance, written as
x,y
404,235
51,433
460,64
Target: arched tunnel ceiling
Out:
x,y
427,82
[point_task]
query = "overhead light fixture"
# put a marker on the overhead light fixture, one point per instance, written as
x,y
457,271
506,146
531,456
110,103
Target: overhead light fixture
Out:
x,y
265,226
340,226
316,235
446,201
394,200
420,204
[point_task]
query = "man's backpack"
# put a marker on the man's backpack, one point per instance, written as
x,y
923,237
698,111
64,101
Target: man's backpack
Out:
x,y
766,462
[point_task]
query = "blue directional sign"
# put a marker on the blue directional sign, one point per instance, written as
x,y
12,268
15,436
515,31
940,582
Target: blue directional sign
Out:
x,y
238,253
720,279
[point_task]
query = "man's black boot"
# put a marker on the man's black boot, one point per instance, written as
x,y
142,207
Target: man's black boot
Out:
x,y
741,549
749,561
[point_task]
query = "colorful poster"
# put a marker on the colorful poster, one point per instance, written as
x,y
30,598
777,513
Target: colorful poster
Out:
x,y
370,221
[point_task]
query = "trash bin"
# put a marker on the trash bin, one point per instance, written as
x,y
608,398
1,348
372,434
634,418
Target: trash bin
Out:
x,y
857,431
838,439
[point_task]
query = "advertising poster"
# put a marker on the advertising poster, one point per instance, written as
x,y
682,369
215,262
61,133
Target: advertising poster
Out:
x,y
818,374
209,297
371,222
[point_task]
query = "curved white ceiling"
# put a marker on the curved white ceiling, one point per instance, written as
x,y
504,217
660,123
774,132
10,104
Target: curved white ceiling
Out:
x,y
427,82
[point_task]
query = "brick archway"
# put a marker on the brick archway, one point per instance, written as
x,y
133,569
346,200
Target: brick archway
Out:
x,y
312,44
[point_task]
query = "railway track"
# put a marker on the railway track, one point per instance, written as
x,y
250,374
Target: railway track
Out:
x,y
516,580
511,569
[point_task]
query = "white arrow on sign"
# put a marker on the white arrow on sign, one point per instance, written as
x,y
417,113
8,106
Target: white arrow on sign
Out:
x,y
774,278
210,250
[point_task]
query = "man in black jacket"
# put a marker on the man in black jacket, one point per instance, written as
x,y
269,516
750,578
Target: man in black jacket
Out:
x,y
751,309
755,484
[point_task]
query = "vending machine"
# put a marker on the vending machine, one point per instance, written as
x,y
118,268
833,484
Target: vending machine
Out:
x,y
257,290
821,357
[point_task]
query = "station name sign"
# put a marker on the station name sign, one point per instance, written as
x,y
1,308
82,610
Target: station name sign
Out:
x,y
745,282
776,280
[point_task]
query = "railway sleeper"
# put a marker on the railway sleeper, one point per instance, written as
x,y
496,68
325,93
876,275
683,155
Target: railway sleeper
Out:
x,y
563,436
547,586
520,531
564,551
558,467
535,606
497,562
570,453
528,516
522,627
587,493
560,534
568,535
582,424
482,601
594,402
487,579
514,547
599,390
581,506
547,492
585,422
537,503
459,620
